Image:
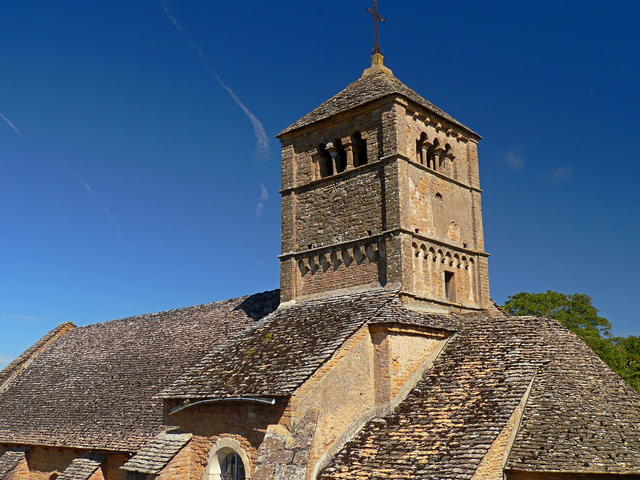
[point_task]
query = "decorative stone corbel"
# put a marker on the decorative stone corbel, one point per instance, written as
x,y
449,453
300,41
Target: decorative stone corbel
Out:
x,y
358,254
335,259
347,258
303,266
371,252
324,262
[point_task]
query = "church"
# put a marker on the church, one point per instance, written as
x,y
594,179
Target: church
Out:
x,y
381,356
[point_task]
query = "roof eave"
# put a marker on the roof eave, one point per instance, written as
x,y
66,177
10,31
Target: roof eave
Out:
x,y
292,128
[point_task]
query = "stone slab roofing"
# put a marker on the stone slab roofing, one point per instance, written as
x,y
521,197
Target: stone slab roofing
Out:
x,y
274,357
94,386
579,417
368,88
24,360
157,453
82,468
10,460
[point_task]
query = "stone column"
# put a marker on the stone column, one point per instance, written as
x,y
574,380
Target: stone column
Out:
x,y
333,151
439,156
348,147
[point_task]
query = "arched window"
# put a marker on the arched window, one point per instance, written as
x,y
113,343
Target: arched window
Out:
x,y
445,157
421,145
359,150
227,461
325,163
232,468
341,156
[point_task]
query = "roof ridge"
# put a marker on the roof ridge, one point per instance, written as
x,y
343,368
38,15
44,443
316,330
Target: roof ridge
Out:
x,y
181,387
152,315
20,364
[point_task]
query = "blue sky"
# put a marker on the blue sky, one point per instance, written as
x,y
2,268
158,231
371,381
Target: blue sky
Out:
x,y
133,179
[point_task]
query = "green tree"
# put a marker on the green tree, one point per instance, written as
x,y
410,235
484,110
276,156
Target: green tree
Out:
x,y
579,315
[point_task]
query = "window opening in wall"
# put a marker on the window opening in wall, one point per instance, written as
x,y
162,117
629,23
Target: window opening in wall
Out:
x,y
431,155
439,196
444,156
138,476
341,156
450,286
232,468
420,146
360,149
325,163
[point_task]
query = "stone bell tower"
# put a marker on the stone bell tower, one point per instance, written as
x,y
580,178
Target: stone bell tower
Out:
x,y
380,188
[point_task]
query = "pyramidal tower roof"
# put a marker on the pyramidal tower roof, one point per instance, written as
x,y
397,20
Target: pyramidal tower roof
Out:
x,y
376,82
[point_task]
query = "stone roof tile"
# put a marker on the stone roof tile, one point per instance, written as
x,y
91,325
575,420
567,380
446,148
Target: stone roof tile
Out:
x,y
274,357
580,417
95,386
446,425
279,353
82,468
10,460
23,361
366,89
157,453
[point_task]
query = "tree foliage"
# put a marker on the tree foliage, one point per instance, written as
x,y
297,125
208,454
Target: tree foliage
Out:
x,y
579,315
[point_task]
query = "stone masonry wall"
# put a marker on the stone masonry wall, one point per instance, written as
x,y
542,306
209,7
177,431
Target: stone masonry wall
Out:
x,y
300,149
361,380
245,423
345,207
438,209
43,462
417,122
359,263
431,261
340,392
20,473
335,211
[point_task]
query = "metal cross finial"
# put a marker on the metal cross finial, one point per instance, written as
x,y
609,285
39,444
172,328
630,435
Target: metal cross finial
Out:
x,y
377,18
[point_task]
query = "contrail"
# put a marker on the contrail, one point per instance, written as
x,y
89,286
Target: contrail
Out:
x,y
96,199
264,193
10,123
264,143
264,196
167,11
258,128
